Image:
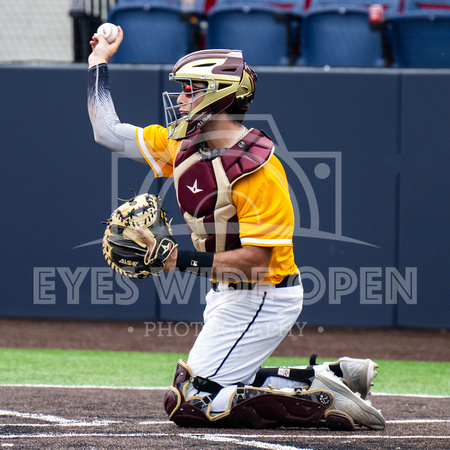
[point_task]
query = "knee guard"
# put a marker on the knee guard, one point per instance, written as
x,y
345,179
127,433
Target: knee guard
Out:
x,y
194,411
175,394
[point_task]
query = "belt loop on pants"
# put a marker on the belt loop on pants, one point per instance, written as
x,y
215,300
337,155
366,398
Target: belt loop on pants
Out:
x,y
290,280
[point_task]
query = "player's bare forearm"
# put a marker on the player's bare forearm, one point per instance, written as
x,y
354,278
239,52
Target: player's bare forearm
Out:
x,y
250,261
230,265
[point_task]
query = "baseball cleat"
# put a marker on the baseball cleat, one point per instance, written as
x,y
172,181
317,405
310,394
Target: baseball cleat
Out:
x,y
359,373
361,411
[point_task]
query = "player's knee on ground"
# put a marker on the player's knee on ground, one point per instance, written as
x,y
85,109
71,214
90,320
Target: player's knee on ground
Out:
x,y
193,411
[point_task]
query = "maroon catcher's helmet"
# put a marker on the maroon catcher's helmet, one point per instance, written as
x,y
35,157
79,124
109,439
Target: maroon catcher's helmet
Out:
x,y
228,82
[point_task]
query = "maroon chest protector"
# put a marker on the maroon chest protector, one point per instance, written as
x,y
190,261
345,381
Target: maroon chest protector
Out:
x,y
204,188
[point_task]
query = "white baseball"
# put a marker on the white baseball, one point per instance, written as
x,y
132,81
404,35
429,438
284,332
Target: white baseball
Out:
x,y
109,31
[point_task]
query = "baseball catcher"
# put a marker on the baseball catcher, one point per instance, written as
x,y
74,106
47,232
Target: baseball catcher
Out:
x,y
233,194
124,248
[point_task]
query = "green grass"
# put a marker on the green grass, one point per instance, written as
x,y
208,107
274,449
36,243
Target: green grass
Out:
x,y
98,368
82,367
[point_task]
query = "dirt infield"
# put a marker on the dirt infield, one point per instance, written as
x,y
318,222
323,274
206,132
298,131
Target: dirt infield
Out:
x,y
45,417
130,419
302,341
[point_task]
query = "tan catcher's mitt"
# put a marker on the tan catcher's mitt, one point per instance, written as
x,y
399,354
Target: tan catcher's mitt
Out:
x,y
125,251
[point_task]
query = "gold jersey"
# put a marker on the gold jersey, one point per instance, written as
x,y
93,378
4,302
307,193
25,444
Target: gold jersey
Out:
x,y
262,200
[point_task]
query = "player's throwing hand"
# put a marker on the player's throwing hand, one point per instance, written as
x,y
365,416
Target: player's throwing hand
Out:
x,y
102,51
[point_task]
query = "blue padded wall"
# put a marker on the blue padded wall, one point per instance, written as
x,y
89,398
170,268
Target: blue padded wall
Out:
x,y
366,154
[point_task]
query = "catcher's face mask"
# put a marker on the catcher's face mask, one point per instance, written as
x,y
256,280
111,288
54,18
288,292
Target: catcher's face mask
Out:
x,y
226,79
180,107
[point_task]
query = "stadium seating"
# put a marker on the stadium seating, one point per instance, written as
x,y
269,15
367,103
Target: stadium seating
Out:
x,y
287,32
262,29
338,33
421,34
155,31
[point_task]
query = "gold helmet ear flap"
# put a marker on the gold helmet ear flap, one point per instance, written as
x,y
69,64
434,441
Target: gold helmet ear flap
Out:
x,y
246,88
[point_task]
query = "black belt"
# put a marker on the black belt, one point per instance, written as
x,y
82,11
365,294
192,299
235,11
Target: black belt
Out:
x,y
290,280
